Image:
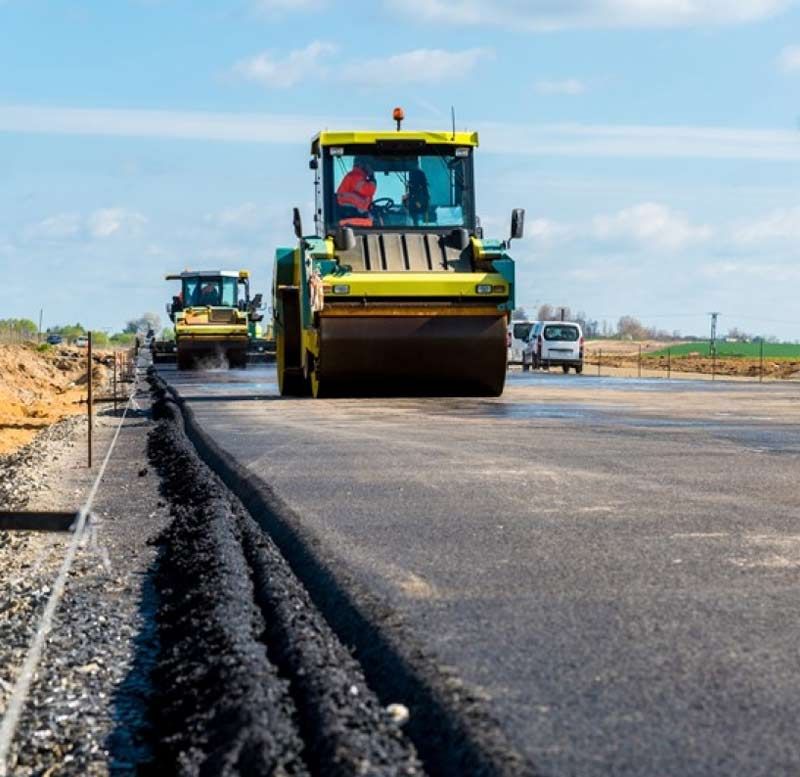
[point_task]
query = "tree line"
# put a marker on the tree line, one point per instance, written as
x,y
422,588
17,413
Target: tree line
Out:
x,y
17,330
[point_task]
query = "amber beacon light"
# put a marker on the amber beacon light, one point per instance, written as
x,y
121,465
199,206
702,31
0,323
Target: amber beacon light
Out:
x,y
398,114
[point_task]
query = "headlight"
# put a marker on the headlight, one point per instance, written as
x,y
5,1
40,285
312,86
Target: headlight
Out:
x,y
341,288
484,288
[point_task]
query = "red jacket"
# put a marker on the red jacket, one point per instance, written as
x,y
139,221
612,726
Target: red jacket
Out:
x,y
356,190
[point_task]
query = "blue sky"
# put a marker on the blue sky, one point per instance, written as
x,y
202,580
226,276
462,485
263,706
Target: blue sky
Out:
x,y
654,143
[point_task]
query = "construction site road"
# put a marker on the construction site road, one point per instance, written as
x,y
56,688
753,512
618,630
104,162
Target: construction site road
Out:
x,y
612,564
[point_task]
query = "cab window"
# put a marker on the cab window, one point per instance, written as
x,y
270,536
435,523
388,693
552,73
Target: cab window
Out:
x,y
428,189
561,333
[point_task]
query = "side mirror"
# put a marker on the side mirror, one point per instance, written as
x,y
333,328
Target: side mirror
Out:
x,y
297,222
344,239
258,302
517,223
313,163
458,239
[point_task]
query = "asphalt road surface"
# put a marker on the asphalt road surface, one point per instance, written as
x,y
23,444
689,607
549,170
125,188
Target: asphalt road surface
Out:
x,y
614,563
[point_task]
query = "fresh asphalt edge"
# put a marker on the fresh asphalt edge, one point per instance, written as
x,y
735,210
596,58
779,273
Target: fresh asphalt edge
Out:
x,y
450,725
219,706
253,680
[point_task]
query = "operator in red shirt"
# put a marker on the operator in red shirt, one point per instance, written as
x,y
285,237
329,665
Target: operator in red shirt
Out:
x,y
355,193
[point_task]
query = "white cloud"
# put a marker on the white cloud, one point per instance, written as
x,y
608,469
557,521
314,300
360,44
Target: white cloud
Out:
x,y
114,222
99,225
567,140
752,270
410,67
247,216
789,59
568,86
646,226
299,64
545,15
182,125
779,225
650,225
547,231
634,141
63,226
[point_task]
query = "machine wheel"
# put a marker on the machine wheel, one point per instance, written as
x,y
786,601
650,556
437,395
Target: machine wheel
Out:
x,y
565,368
579,369
291,381
525,365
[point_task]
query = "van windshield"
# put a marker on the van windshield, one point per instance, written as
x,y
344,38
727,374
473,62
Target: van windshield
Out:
x,y
522,331
567,334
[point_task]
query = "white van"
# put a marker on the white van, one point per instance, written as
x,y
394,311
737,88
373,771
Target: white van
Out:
x,y
555,344
519,338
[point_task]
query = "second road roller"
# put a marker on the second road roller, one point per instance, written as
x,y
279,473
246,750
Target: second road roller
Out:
x,y
397,292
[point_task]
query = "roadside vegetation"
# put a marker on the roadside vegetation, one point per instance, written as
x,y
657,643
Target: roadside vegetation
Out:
x,y
24,330
739,350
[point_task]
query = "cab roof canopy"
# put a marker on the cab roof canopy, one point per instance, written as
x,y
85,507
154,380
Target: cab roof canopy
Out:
x,y
241,274
358,137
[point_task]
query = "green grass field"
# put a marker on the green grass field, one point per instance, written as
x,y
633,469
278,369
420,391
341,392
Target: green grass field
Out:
x,y
788,351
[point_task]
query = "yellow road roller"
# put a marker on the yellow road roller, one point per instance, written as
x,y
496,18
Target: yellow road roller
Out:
x,y
397,292
214,317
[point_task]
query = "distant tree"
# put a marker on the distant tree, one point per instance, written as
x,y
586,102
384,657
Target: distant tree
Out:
x,y
100,339
630,327
545,313
167,333
519,314
17,330
734,333
69,331
123,338
589,326
22,326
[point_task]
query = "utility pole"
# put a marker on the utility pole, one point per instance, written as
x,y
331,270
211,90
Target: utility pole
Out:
x,y
712,345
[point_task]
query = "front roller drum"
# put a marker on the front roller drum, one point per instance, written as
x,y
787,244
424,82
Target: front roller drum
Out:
x,y
437,355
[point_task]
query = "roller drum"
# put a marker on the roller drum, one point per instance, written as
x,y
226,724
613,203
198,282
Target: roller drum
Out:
x,y
461,355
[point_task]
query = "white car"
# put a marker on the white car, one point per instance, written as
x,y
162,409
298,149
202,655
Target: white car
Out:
x,y
519,334
82,341
555,344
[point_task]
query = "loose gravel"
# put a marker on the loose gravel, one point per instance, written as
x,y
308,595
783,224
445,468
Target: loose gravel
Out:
x,y
24,472
85,714
250,679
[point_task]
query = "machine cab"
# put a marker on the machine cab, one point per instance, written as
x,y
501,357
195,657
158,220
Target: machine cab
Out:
x,y
211,288
394,182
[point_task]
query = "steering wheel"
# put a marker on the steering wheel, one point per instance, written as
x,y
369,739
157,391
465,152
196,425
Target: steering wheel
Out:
x,y
386,207
383,205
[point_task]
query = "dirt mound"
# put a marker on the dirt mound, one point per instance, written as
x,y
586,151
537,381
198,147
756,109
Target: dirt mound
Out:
x,y
39,388
622,354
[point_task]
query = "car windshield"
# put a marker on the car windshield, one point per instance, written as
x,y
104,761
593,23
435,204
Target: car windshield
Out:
x,y
522,331
215,291
564,333
429,188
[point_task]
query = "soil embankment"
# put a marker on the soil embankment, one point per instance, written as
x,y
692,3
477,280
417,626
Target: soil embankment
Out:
x,y
624,355
40,387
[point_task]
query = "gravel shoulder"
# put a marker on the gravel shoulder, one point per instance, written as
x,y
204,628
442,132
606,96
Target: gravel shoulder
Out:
x,y
87,697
